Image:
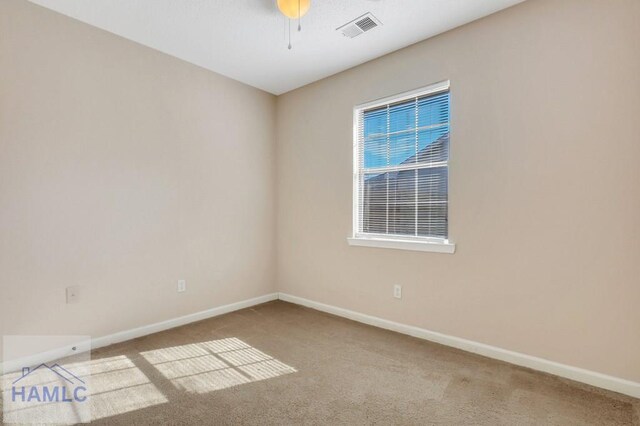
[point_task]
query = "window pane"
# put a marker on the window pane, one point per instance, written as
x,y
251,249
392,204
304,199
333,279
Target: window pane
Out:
x,y
433,184
402,116
375,151
375,121
374,203
432,220
402,202
402,135
402,148
375,138
433,110
433,145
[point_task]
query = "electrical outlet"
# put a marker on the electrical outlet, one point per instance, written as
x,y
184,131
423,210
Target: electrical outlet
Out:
x,y
182,286
72,294
397,291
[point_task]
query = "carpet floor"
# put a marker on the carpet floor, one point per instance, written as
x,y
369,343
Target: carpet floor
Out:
x,y
282,364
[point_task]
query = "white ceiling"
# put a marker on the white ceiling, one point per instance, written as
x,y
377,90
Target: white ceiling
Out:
x,y
245,39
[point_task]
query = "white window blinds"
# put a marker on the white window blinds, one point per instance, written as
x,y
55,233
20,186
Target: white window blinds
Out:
x,y
401,166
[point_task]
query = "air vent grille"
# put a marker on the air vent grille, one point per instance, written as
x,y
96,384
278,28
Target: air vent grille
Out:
x,y
359,25
366,24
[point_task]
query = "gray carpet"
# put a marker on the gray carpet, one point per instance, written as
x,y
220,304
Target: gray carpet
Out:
x,y
280,363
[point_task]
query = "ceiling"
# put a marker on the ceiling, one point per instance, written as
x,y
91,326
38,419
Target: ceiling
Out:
x,y
245,39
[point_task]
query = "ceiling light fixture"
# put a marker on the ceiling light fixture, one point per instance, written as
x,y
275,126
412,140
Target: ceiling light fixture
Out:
x,y
293,9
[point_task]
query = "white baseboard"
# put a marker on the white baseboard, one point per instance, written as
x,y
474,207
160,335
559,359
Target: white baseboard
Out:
x,y
593,378
44,357
176,322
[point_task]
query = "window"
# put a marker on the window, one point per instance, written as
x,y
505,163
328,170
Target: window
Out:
x,y
401,169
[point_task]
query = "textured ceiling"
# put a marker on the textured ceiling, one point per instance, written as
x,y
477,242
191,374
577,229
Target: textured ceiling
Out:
x,y
245,39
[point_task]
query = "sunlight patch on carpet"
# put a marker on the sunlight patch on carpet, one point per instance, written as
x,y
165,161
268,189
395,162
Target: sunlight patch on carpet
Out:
x,y
214,365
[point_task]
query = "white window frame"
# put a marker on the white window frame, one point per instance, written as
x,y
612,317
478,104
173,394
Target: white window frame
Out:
x,y
431,244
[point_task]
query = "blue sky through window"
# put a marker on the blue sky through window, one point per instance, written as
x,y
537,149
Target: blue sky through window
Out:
x,y
390,133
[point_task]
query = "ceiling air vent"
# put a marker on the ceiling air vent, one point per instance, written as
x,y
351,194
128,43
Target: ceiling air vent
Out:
x,y
359,25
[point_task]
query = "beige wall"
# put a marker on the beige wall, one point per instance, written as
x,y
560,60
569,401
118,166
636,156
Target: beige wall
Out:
x,y
123,170
544,186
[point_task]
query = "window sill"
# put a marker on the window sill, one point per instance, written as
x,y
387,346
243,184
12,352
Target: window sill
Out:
x,y
432,246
